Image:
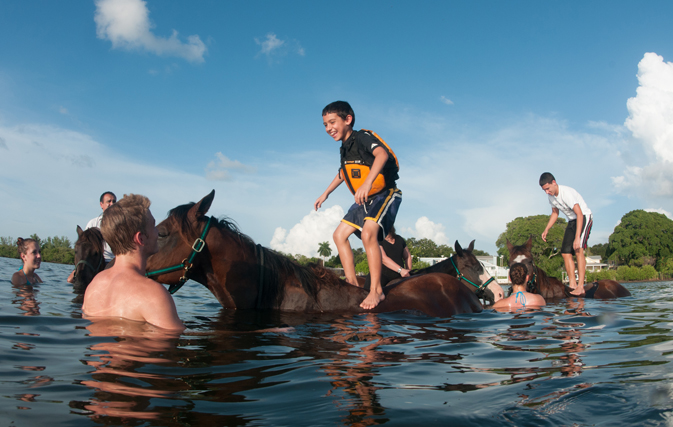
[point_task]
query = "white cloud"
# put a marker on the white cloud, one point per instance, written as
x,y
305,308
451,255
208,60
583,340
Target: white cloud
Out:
x,y
127,25
273,48
426,229
446,100
222,168
305,237
651,124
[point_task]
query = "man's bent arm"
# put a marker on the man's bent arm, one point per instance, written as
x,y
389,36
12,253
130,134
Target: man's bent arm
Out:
x,y
580,223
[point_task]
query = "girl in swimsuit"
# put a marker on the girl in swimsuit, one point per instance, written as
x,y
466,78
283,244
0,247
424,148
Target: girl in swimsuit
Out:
x,y
29,251
520,299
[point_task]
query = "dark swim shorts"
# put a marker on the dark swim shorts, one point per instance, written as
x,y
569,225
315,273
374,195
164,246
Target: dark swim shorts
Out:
x,y
381,208
569,235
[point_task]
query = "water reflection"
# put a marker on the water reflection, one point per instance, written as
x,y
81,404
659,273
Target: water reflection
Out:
x,y
25,296
123,389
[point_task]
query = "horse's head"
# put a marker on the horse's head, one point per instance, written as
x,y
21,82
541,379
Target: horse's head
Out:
x,y
177,234
522,254
469,266
89,259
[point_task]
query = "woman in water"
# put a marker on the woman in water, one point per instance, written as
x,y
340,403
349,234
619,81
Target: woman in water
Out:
x,y
518,275
29,251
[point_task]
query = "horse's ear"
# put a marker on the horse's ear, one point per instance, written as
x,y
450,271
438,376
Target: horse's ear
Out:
x,y
529,243
79,231
201,208
459,249
510,246
471,247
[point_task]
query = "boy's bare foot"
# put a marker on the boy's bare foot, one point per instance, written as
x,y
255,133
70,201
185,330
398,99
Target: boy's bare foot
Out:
x,y
578,291
372,300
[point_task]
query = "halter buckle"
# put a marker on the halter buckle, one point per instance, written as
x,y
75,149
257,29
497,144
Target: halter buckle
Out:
x,y
198,245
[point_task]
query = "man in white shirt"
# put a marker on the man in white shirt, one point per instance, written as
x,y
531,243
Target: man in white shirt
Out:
x,y
107,199
576,236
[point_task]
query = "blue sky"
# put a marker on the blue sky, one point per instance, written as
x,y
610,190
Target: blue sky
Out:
x,y
172,99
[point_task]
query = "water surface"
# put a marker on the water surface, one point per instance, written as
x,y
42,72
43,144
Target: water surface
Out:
x,y
574,363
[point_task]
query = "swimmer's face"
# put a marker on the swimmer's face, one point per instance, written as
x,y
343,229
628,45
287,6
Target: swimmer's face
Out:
x,y
32,257
108,200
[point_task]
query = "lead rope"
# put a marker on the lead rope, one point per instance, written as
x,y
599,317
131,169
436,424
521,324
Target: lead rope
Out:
x,y
259,250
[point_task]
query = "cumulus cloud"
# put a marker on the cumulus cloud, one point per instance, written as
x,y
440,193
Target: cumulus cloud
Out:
x,y
126,24
305,237
446,100
273,48
223,168
651,124
426,229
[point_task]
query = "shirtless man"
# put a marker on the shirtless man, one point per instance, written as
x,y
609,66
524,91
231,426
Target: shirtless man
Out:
x,y
123,290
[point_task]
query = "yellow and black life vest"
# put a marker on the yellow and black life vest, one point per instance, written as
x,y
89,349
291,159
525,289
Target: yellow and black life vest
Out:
x,y
356,162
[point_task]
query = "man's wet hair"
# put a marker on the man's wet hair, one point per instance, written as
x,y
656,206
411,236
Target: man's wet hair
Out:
x,y
123,220
546,178
102,196
340,108
518,273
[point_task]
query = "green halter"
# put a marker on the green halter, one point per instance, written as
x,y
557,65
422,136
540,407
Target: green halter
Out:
x,y
460,276
187,263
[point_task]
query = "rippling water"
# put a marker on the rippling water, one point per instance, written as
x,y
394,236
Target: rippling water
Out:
x,y
575,363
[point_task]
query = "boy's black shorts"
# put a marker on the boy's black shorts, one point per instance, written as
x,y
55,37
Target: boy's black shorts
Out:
x,y
569,236
381,208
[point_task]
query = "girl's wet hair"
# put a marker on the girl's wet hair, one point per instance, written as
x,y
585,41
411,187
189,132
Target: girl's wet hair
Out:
x,y
518,273
22,245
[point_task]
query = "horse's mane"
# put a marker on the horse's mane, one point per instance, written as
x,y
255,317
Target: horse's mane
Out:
x,y
277,267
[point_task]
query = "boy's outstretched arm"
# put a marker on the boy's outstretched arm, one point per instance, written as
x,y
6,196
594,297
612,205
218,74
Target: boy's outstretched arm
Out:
x,y
332,186
380,159
552,221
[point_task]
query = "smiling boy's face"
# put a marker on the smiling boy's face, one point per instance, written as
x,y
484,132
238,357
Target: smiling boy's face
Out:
x,y
336,127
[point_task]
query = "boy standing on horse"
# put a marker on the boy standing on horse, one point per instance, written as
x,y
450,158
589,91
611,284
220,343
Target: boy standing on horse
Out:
x,y
123,290
369,168
577,232
518,276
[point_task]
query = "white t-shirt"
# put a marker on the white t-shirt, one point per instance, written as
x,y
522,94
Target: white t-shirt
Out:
x,y
95,223
566,199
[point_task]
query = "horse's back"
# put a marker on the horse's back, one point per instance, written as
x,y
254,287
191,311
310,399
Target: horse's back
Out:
x,y
610,289
435,294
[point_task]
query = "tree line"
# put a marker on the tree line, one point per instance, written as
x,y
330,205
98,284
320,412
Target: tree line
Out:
x,y
54,249
639,248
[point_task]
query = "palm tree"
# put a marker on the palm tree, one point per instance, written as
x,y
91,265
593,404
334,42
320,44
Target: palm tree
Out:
x,y
324,250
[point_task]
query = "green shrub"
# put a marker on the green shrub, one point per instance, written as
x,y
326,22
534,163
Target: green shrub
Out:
x,y
626,273
601,275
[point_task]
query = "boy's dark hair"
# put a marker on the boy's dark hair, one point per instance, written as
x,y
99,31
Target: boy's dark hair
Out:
x,y
102,196
546,178
518,273
340,108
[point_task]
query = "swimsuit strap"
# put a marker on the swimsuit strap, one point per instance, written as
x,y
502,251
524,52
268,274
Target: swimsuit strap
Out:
x,y
523,298
24,273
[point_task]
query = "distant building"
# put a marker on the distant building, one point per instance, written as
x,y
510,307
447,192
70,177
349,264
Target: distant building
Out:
x,y
594,263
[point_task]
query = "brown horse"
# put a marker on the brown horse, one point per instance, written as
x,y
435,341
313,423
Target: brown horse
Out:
x,y
89,259
243,275
467,268
551,288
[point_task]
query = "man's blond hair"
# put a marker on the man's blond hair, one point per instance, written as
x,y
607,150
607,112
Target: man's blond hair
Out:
x,y
123,220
